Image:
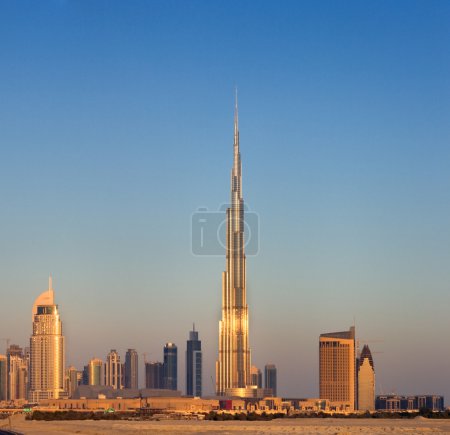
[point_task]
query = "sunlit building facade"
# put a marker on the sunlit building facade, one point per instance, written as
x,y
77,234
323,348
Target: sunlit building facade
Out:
x,y
17,369
72,380
47,349
366,381
3,378
95,373
233,364
256,376
113,370
337,369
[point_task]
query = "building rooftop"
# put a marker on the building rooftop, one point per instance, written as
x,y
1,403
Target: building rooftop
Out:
x,y
346,335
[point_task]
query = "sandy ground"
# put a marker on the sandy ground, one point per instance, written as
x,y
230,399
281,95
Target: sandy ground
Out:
x,y
298,426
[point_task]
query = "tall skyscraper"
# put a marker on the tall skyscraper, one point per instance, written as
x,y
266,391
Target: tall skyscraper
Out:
x,y
47,349
3,378
256,376
194,365
113,370
366,381
154,375
233,364
337,368
131,369
95,374
170,366
270,378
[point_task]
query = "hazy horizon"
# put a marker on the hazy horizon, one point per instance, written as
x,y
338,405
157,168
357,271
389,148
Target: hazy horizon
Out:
x,y
116,124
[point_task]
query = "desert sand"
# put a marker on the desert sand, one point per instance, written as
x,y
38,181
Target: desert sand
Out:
x,y
280,426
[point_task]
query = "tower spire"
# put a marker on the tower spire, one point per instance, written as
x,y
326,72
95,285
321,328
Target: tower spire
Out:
x,y
233,365
236,120
50,283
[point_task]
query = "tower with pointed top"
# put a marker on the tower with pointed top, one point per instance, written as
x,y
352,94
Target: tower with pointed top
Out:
x,y
47,351
366,380
193,364
233,364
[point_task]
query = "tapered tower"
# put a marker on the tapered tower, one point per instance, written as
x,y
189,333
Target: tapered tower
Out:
x,y
47,364
233,365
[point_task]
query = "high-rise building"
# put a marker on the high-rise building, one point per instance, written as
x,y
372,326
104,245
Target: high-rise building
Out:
x,y
337,369
194,365
233,364
17,369
256,376
47,351
270,378
95,373
71,380
170,366
113,370
154,375
131,369
85,375
366,381
3,378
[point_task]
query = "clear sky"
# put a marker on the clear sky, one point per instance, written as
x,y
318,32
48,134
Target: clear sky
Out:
x,y
116,124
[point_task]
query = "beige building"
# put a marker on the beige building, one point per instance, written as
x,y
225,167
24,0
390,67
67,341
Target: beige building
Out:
x,y
166,404
337,369
47,351
3,378
72,380
17,377
113,370
366,381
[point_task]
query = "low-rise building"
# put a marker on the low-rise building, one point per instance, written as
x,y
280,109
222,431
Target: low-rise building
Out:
x,y
396,403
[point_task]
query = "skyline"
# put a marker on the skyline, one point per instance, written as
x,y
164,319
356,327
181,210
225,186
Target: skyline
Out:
x,y
111,139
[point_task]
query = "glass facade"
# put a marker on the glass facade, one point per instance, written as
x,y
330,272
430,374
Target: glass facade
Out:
x,y
395,403
194,365
270,378
131,369
154,375
170,366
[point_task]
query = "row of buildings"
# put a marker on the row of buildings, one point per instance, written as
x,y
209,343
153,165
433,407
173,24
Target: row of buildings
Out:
x,y
347,379
38,372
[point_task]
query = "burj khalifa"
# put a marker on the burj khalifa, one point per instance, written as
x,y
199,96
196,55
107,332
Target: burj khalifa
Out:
x,y
233,364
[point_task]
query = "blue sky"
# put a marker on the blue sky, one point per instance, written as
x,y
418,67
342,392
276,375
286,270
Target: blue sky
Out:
x,y
116,125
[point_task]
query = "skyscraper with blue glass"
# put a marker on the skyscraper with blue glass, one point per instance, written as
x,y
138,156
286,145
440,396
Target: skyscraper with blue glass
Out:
x,y
194,365
170,366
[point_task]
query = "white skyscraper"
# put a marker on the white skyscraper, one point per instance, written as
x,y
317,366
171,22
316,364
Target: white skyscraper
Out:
x,y
47,353
113,370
